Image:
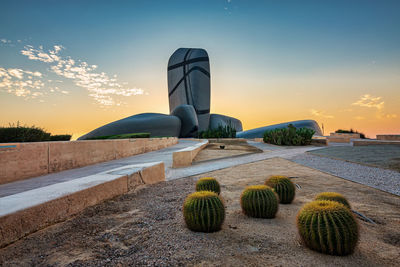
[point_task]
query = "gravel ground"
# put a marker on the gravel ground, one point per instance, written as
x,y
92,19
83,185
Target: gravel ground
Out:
x,y
145,227
385,180
387,156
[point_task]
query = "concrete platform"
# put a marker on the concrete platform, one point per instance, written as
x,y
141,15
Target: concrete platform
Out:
x,y
32,210
185,156
30,205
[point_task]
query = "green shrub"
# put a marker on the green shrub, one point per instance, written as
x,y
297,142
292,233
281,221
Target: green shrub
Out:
x,y
204,211
362,136
60,137
328,227
259,201
121,136
227,131
333,196
289,136
283,187
17,133
208,184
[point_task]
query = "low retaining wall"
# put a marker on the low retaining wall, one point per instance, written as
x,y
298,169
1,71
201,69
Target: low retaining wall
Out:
x,y
19,161
389,137
346,135
319,141
30,211
342,137
184,157
367,142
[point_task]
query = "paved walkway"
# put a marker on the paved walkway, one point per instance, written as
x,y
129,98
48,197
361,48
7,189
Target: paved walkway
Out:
x,y
203,167
164,155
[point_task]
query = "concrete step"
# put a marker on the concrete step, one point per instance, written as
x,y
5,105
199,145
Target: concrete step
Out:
x,y
32,210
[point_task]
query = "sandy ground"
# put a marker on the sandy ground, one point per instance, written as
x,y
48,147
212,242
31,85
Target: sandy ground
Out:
x,y
213,150
382,156
146,227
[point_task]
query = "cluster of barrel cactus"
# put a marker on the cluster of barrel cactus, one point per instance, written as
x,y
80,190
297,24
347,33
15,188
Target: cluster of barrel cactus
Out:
x,y
259,201
326,225
204,210
208,184
283,187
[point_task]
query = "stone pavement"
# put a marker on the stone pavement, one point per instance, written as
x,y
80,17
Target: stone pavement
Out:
x,y
203,167
163,155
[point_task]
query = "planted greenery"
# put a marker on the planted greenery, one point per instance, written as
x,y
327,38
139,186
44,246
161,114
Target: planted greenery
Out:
x,y
283,187
60,137
289,136
204,211
227,131
328,227
333,196
121,136
17,133
259,201
208,184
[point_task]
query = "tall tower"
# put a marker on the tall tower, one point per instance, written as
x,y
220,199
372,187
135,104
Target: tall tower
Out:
x,y
189,82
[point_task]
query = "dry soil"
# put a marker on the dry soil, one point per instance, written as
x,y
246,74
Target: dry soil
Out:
x,y
145,227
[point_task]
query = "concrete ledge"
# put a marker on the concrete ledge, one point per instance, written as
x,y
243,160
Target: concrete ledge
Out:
x,y
30,211
346,135
342,137
184,157
369,142
319,141
19,161
388,137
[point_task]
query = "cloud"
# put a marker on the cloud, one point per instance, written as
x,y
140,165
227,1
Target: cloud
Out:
x,y
5,41
382,115
38,54
369,101
21,83
320,113
374,102
100,86
359,118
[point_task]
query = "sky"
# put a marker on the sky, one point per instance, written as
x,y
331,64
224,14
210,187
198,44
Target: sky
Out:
x,y
72,66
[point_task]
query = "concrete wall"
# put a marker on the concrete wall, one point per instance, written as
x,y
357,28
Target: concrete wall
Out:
x,y
346,135
342,137
30,211
389,137
20,161
372,142
184,157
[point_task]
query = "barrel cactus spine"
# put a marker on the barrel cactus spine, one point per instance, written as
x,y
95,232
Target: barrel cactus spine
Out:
x,y
204,211
328,227
333,196
259,201
283,187
208,184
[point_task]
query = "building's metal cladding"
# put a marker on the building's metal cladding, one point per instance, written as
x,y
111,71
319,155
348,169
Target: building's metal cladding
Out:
x,y
189,82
